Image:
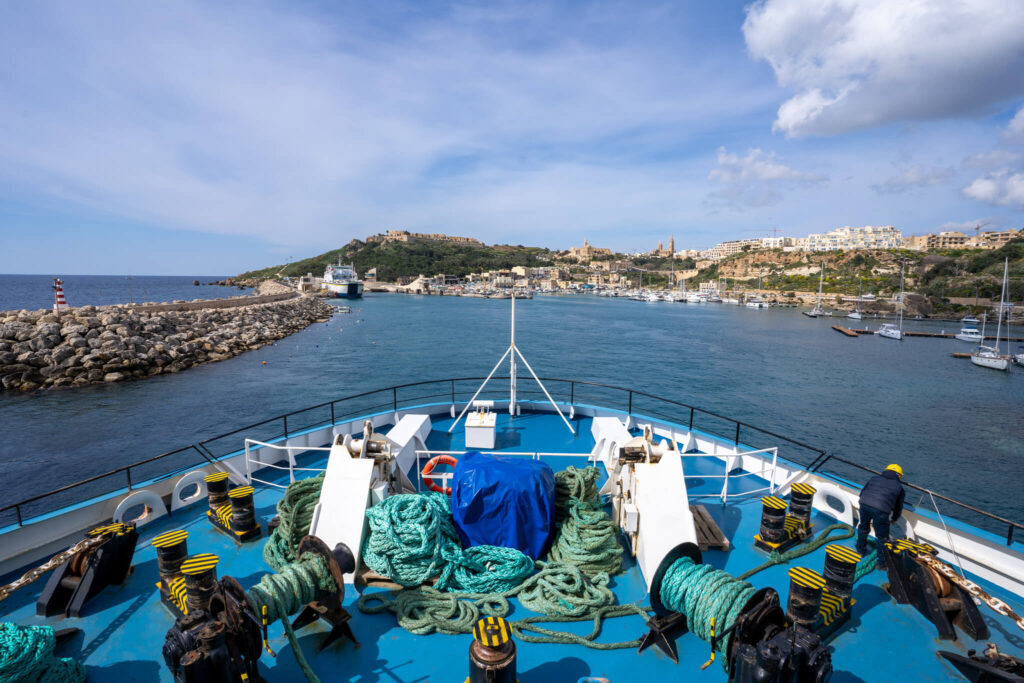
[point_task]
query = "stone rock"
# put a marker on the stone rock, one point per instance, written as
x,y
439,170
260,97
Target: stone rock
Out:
x,y
113,377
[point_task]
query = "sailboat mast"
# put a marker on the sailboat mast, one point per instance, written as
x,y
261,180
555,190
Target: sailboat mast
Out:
x,y
821,280
903,267
999,315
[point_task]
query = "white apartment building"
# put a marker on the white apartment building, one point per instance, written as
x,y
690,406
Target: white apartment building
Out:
x,y
845,238
724,249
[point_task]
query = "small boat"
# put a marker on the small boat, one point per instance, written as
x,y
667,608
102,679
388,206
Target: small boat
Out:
x,y
818,311
970,334
756,302
855,313
969,320
989,356
1018,358
889,330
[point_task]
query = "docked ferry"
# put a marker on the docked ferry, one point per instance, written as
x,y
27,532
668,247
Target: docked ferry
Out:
x,y
641,538
341,281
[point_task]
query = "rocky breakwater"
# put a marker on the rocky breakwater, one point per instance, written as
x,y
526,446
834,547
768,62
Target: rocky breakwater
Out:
x,y
93,345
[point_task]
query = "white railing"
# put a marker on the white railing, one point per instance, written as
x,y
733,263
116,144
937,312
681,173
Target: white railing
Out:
x,y
445,477
260,464
767,472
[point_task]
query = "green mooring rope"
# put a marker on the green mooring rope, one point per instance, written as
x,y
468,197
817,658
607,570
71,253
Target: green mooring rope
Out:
x,y
702,592
586,536
295,513
286,592
413,539
26,654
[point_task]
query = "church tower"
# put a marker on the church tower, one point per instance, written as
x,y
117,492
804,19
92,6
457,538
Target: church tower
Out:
x,y
671,245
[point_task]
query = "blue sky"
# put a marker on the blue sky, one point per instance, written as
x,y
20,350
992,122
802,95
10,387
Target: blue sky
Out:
x,y
163,138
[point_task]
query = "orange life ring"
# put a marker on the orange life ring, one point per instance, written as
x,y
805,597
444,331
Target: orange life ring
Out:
x,y
429,468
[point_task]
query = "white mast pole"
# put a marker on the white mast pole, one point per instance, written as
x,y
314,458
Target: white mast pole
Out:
x,y
470,403
999,315
512,361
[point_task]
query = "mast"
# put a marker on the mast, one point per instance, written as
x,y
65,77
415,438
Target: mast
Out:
x,y
821,281
999,315
860,291
903,267
512,361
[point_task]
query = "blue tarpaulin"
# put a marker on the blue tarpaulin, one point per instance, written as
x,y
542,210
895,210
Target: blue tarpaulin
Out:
x,y
505,501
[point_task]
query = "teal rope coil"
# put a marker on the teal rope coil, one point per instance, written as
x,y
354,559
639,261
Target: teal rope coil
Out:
x,y
295,513
413,539
26,655
288,591
702,592
586,536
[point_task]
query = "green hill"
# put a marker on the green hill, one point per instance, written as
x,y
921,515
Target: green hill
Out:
x,y
397,259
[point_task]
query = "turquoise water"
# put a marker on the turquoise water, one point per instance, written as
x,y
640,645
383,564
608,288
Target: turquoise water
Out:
x,y
954,427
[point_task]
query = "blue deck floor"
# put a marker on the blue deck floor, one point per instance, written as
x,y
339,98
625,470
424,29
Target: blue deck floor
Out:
x,y
124,627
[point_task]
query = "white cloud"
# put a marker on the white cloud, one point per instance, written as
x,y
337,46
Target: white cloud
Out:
x,y
914,176
1000,189
303,129
858,63
1015,131
754,180
964,226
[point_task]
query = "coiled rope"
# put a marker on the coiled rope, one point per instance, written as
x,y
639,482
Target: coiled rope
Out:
x,y
586,536
286,592
26,654
413,539
295,514
703,593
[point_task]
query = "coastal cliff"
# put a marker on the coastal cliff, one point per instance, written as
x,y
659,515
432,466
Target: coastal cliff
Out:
x,y
93,345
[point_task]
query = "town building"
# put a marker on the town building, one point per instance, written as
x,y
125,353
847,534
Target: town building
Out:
x,y
725,249
585,253
666,253
847,238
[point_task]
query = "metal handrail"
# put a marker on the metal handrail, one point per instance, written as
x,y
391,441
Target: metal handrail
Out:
x,y
201,447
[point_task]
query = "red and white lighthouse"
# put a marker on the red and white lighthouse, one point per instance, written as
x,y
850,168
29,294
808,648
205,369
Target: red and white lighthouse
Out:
x,y
58,295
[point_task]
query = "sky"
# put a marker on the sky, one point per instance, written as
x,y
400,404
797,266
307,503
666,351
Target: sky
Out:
x,y
216,137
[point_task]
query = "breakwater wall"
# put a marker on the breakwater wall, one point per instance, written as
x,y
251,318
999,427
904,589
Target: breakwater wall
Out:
x,y
97,344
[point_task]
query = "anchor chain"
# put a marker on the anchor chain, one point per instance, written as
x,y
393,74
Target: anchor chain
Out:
x,y
54,562
972,588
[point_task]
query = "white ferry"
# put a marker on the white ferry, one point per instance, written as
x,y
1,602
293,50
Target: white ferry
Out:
x,y
341,281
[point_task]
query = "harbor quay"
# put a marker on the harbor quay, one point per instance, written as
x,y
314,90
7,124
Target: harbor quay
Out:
x,y
99,344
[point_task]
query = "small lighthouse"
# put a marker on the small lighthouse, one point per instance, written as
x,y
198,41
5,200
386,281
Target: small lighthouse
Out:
x,y
59,304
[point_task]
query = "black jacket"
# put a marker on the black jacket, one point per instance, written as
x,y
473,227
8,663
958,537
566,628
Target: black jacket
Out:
x,y
884,492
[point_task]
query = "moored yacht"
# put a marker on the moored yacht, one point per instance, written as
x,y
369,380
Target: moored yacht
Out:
x,y
889,330
989,356
970,334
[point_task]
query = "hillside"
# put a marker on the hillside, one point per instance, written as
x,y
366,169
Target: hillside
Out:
x,y
397,259
957,273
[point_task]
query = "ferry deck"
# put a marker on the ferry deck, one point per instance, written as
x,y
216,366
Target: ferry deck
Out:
x,y
123,628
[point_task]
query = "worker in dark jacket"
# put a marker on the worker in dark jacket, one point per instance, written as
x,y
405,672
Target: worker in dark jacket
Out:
x,y
881,503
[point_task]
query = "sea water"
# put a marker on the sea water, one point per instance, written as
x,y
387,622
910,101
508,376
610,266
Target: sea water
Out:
x,y
954,427
33,292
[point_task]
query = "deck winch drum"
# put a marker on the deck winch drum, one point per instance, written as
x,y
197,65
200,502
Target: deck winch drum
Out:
x,y
200,580
840,570
492,654
805,586
801,500
243,515
216,490
171,551
773,519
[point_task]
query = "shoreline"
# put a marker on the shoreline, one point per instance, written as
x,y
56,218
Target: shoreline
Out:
x,y
90,345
